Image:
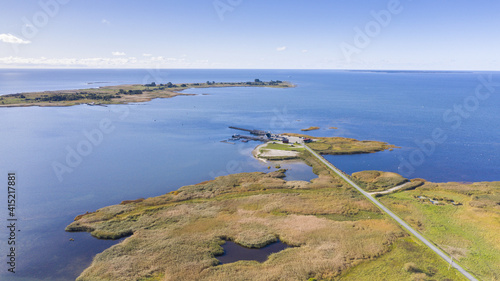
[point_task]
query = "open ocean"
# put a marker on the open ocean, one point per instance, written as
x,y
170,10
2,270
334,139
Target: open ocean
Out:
x,y
446,123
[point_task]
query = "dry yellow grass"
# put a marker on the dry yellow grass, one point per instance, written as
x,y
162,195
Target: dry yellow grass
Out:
x,y
176,237
338,145
335,232
377,180
312,128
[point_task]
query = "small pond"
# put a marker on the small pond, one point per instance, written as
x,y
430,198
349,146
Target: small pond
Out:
x,y
234,252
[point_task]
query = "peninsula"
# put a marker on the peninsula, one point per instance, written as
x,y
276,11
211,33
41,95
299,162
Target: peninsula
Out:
x,y
334,231
121,94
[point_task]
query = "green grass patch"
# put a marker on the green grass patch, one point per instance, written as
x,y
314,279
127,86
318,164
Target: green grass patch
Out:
x,y
406,260
468,233
359,215
342,146
279,146
377,180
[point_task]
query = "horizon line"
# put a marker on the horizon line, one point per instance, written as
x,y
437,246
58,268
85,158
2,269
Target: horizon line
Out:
x,y
336,69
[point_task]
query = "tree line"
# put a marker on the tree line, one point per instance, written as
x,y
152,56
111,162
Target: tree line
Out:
x,y
76,96
255,82
130,92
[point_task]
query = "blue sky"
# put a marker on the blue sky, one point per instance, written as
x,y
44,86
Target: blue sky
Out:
x,y
296,34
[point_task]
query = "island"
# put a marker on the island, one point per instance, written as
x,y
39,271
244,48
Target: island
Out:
x,y
312,128
333,231
122,94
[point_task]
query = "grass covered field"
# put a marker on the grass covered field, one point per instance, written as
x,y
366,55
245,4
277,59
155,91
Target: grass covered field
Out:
x,y
462,219
280,146
335,232
377,180
400,264
341,146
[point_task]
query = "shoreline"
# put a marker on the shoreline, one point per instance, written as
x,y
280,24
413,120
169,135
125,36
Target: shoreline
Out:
x,y
121,94
288,155
255,152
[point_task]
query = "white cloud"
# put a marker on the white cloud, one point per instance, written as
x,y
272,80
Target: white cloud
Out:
x,y
65,62
162,59
114,62
159,58
9,38
105,21
279,49
118,53
146,55
304,51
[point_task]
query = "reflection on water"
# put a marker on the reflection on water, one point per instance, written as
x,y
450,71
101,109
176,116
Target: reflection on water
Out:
x,y
234,252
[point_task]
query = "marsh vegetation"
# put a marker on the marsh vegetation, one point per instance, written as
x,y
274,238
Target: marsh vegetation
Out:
x,y
341,146
333,229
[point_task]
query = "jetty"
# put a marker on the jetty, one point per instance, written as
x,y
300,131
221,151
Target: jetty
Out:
x,y
239,137
253,132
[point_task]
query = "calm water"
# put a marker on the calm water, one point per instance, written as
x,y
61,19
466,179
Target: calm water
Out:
x,y
152,148
234,252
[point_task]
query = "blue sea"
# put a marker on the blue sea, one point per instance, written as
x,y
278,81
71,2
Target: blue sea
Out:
x,y
70,160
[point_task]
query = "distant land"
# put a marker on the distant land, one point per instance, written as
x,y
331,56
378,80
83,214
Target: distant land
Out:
x,y
121,94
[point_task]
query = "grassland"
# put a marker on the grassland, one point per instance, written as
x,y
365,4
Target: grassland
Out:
x,y
335,232
399,264
462,219
341,146
377,180
281,146
119,94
